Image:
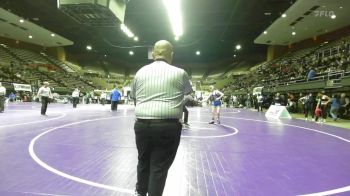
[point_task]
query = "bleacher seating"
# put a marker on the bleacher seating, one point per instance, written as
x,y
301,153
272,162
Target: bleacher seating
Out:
x,y
330,60
58,63
29,56
73,66
16,65
6,58
93,70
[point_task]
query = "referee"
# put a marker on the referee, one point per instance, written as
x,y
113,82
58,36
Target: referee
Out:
x,y
75,97
44,93
158,90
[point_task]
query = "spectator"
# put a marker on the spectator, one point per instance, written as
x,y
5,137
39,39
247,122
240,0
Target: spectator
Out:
x,y
115,98
2,98
12,97
248,101
311,75
260,100
187,100
309,103
278,99
290,106
344,105
334,107
322,102
103,97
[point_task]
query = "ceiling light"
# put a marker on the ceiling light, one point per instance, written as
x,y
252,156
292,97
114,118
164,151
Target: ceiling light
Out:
x,y
126,30
333,16
88,47
136,39
265,32
340,7
198,52
267,13
30,37
293,33
52,35
21,20
131,53
284,15
173,8
238,47
235,56
176,38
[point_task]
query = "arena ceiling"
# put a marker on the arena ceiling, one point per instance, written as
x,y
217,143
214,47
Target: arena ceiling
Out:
x,y
307,18
14,27
214,27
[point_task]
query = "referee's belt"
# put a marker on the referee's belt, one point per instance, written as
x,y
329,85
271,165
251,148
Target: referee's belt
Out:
x,y
157,120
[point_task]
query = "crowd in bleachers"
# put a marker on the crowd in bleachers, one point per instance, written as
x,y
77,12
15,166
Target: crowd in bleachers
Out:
x,y
328,58
27,67
327,61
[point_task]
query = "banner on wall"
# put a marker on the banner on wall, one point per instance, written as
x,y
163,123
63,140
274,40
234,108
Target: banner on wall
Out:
x,y
22,87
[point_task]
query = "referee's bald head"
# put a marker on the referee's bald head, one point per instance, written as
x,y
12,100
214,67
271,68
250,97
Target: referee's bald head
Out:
x,y
163,50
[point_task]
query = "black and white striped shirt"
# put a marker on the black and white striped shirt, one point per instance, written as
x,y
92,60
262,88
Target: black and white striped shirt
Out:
x,y
159,89
2,91
44,91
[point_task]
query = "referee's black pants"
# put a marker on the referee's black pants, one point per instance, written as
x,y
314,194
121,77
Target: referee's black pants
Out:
x,y
2,103
157,142
185,111
44,102
75,101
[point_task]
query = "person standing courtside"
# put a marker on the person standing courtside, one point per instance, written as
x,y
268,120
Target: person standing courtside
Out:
x,y
2,98
309,105
322,102
158,91
260,100
75,97
187,99
44,93
115,97
103,97
215,98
